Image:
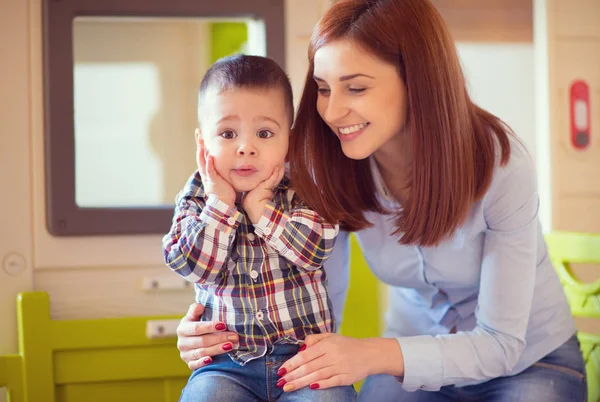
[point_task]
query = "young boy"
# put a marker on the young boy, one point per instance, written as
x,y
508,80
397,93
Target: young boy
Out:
x,y
254,251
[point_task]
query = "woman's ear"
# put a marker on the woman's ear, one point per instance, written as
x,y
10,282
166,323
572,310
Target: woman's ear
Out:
x,y
198,135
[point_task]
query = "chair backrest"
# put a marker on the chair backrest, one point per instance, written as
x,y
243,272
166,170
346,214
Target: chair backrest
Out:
x,y
572,248
11,377
567,248
93,360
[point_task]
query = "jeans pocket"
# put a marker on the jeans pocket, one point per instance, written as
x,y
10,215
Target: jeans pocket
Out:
x,y
566,358
563,369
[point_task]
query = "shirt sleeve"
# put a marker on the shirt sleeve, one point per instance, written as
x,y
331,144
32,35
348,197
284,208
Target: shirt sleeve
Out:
x,y
337,268
203,231
301,236
507,283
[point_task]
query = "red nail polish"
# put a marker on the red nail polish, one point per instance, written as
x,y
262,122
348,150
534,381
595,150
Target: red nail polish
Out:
x,y
220,326
314,386
280,383
227,346
207,360
303,347
281,372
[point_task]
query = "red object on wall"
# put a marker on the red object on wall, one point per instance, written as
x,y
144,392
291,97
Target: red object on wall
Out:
x,y
580,115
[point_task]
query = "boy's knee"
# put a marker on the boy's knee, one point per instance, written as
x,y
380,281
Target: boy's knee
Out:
x,y
337,394
214,388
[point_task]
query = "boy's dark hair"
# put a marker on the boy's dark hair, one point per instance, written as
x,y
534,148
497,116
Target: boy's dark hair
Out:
x,y
243,71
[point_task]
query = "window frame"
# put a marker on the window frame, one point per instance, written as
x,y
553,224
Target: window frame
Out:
x,y
63,216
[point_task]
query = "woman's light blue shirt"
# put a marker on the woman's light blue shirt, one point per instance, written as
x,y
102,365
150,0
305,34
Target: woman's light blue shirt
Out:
x,y
492,282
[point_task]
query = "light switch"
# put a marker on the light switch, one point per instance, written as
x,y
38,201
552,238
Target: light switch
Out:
x,y
167,282
161,328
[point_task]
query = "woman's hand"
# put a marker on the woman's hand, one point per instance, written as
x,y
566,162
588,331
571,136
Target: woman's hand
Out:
x,y
331,360
198,341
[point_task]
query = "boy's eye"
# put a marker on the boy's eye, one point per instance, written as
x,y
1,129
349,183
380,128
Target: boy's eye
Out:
x,y
228,135
264,134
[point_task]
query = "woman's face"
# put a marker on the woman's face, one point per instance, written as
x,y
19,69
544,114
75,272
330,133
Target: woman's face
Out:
x,y
360,97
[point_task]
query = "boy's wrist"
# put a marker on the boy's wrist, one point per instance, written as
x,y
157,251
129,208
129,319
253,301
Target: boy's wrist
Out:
x,y
225,200
255,210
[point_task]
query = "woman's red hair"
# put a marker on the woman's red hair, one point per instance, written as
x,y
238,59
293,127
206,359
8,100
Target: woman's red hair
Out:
x,y
454,141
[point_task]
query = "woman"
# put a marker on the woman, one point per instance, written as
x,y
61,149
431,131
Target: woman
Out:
x,y
444,203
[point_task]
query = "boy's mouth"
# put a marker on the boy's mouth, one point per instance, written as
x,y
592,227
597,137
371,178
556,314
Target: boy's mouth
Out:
x,y
245,170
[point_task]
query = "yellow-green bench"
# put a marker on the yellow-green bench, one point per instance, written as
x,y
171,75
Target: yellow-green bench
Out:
x,y
94,360
584,298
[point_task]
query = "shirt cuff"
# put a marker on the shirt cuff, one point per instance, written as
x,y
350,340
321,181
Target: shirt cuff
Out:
x,y
271,223
220,215
423,368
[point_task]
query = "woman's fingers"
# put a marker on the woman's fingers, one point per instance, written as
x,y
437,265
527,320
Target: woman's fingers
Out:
x,y
195,328
199,357
316,338
311,351
317,373
194,312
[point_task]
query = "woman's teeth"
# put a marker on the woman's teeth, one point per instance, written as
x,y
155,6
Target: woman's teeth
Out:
x,y
352,129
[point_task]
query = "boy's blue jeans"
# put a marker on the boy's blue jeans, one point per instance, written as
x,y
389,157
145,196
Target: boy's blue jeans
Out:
x,y
224,380
558,377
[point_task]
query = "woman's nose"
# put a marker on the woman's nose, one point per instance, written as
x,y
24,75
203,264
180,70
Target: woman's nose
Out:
x,y
336,109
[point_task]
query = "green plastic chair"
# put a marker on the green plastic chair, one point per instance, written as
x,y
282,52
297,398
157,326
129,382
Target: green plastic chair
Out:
x,y
362,312
11,377
590,347
93,360
567,248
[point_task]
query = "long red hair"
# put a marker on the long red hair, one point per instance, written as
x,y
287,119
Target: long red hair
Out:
x,y
454,141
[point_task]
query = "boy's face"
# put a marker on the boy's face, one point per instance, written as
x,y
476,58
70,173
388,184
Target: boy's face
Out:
x,y
247,131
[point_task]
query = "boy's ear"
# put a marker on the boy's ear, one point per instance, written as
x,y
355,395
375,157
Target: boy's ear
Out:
x,y
198,134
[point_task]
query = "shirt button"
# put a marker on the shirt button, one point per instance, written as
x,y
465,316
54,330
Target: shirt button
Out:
x,y
231,220
259,315
251,236
267,231
253,274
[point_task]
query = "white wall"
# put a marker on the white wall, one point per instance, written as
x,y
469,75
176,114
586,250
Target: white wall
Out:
x,y
500,79
506,79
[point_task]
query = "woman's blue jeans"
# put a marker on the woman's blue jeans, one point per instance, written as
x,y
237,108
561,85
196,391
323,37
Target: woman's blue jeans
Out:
x,y
558,377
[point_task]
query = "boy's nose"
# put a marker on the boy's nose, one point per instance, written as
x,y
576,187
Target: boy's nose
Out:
x,y
246,150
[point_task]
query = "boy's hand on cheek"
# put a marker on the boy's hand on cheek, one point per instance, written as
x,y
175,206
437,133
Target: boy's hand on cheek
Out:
x,y
255,200
212,181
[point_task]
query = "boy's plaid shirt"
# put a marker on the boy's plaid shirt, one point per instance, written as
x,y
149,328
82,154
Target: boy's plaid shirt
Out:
x,y
265,282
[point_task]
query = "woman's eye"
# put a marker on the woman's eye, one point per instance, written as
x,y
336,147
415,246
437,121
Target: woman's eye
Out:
x,y
228,135
264,134
357,90
323,91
